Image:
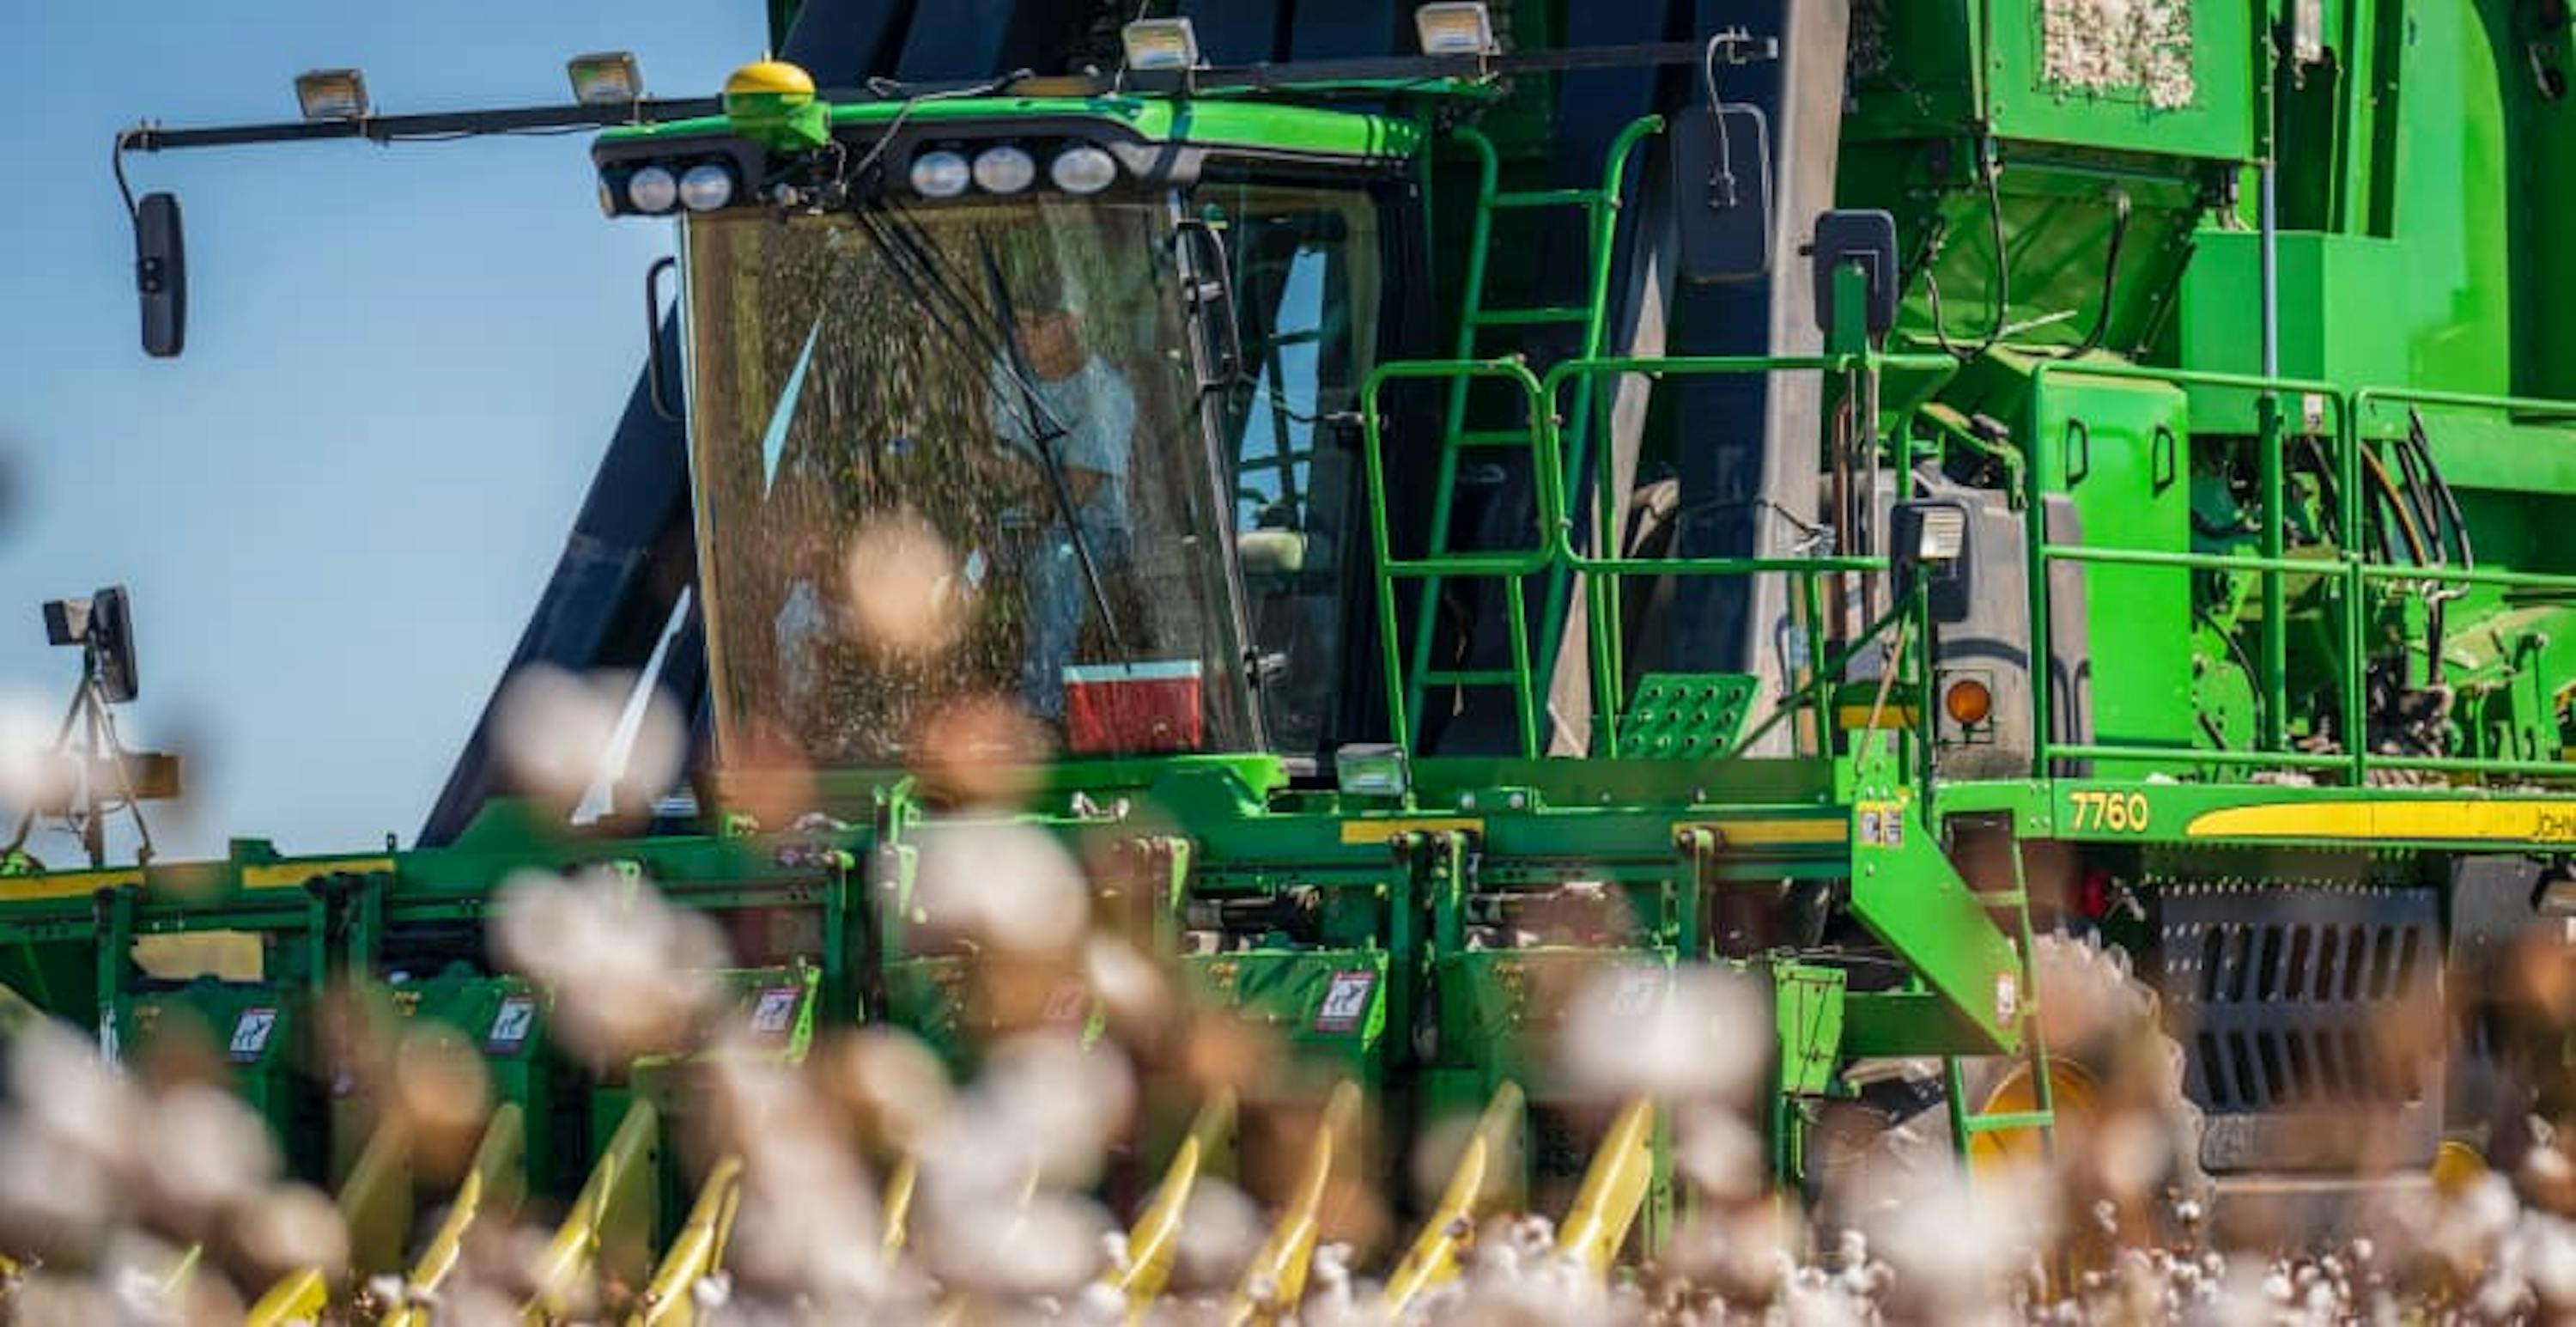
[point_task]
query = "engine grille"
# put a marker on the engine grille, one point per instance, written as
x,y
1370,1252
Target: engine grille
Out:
x,y
2285,1000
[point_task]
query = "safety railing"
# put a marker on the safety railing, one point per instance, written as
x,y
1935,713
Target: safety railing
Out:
x,y
1556,551
2353,573
2285,410
1513,566
2049,472
1604,575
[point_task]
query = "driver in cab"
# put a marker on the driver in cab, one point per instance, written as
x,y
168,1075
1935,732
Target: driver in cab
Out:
x,y
1055,398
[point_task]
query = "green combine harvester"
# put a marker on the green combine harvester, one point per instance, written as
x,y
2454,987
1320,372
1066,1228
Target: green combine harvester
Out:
x,y
1448,511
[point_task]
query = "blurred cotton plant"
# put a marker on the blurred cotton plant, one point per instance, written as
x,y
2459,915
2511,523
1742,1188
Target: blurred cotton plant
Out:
x,y
589,744
630,973
135,1204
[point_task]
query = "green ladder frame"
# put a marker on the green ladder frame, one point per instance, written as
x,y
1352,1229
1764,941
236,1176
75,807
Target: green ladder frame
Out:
x,y
1965,1121
1601,208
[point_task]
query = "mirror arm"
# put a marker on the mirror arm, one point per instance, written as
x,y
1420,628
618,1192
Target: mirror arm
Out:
x,y
653,338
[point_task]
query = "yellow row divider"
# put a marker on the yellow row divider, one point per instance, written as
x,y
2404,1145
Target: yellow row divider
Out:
x,y
698,1251
1276,1277
495,1182
1614,1188
1153,1242
611,1222
1484,1170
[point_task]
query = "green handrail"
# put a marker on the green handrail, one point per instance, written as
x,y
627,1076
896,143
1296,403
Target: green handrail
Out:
x,y
1512,565
1471,300
1604,574
2356,572
2272,439
1603,251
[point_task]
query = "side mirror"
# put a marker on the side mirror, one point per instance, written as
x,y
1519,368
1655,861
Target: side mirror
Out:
x,y
1931,550
1865,240
1722,192
111,635
103,626
161,274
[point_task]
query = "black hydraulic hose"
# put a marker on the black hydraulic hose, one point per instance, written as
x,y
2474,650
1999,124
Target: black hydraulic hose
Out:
x,y
2395,500
2110,279
2002,289
2418,488
2442,490
2329,492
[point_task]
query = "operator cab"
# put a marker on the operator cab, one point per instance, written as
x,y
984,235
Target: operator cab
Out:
x,y
1039,400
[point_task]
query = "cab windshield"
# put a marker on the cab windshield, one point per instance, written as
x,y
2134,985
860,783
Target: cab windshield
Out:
x,y
984,414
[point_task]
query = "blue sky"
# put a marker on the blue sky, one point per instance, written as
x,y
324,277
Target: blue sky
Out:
x,y
336,511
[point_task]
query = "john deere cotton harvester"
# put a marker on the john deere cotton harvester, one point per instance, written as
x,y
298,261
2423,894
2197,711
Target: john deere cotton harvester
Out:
x,y
1889,500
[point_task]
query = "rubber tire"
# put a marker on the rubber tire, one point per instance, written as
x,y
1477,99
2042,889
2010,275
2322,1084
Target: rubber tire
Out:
x,y
2098,1016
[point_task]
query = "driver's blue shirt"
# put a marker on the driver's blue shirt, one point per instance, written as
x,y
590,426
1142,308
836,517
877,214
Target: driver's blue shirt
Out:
x,y
1098,412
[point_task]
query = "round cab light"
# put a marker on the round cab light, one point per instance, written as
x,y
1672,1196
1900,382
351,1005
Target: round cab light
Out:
x,y
941,174
1004,170
1967,702
652,189
1083,170
706,187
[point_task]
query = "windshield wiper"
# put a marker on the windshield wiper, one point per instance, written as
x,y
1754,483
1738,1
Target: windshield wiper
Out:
x,y
1044,441
917,268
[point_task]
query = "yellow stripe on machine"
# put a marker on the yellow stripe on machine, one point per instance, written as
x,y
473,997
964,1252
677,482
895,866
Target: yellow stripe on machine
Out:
x,y
292,875
1779,833
76,884
2449,819
1382,831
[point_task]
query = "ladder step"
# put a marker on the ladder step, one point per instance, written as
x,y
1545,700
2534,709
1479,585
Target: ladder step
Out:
x,y
2020,1119
1554,313
2004,898
1492,438
1548,198
1488,677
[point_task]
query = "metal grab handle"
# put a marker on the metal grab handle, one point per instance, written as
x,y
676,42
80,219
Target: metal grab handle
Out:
x,y
2164,461
1217,289
2079,450
653,338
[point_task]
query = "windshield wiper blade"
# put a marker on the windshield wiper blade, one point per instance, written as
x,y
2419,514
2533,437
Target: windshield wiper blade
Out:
x,y
1044,443
954,317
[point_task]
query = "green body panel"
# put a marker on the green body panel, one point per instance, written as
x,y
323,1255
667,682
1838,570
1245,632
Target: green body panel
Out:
x,y
1942,66
1325,1008
504,1019
2200,100
2116,448
257,1031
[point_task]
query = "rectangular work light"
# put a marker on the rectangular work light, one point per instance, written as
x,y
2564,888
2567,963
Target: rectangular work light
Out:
x,y
1929,549
1455,28
332,94
1941,532
1371,769
1160,45
606,78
